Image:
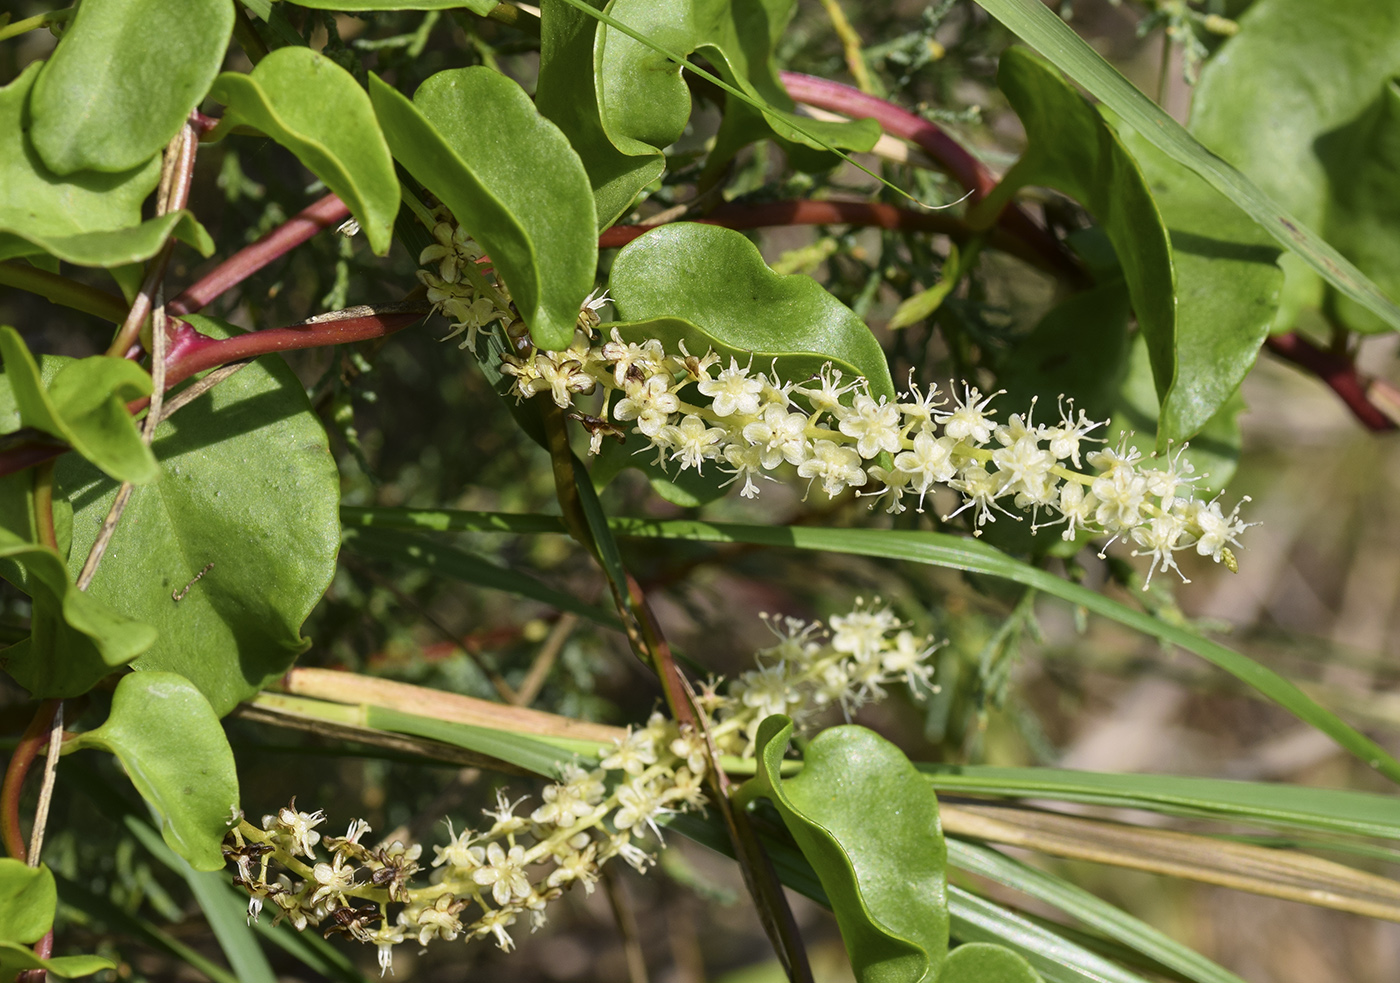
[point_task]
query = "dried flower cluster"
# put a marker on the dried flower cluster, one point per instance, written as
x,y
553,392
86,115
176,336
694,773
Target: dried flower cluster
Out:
x,y
482,880
693,409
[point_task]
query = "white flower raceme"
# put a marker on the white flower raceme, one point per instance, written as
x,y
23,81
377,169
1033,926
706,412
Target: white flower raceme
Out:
x,y
483,880
839,435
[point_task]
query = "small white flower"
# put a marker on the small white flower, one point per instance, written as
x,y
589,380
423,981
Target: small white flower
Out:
x,y
504,872
733,391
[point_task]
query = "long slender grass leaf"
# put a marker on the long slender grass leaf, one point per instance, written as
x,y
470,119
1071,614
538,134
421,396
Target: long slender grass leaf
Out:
x,y
1037,25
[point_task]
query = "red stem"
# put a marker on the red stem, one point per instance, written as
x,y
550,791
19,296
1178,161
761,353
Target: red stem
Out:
x,y
735,215
329,211
192,352
31,742
1338,372
943,149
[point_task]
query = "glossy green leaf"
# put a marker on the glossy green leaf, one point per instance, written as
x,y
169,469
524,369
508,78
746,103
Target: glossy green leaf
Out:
x,y
1228,284
124,79
247,497
1070,148
1310,84
644,103
857,812
14,958
316,109
473,138
27,901
75,639
84,405
88,218
467,567
566,56
1036,24
1088,910
1215,449
709,288
1258,803
482,7
170,741
986,962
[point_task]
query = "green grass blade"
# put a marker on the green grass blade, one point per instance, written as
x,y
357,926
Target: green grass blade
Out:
x,y
1088,909
309,948
114,919
938,549
1037,25
467,567
227,915
1267,804
958,553
528,753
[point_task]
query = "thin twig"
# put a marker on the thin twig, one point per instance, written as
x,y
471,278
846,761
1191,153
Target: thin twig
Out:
x,y
41,811
544,660
199,387
1340,374
174,193
20,761
626,920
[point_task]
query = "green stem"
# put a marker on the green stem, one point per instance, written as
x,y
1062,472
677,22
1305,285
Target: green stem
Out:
x,y
61,290
43,504
37,21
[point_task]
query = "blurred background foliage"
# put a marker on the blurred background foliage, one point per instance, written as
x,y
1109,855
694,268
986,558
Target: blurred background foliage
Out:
x,y
414,423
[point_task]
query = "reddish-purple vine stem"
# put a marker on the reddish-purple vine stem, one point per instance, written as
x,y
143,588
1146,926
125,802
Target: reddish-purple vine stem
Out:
x,y
743,215
943,149
322,214
31,742
1338,372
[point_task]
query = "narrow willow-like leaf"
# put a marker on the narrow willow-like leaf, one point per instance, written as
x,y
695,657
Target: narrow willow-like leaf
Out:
x,y
473,138
173,748
226,913
1037,25
524,752
1088,909
468,567
939,549
124,79
1262,803
317,110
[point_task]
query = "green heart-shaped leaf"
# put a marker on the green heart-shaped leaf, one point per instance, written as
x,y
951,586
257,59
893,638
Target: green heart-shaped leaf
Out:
x,y
644,103
509,176
317,110
14,958
87,218
566,55
27,901
173,748
246,502
1070,148
708,287
84,405
869,827
1310,84
124,79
